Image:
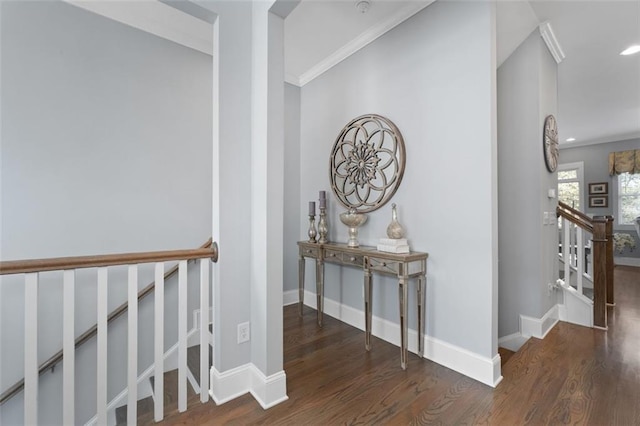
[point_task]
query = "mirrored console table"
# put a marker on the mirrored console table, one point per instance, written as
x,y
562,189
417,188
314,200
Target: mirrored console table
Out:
x,y
403,266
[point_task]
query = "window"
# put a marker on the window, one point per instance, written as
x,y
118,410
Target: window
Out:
x,y
570,184
628,198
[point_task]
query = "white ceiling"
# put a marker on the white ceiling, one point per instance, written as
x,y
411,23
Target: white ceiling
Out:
x,y
321,33
598,90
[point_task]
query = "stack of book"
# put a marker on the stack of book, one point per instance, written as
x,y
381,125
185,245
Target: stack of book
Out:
x,y
392,245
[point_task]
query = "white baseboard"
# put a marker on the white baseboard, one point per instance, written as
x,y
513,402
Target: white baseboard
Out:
x,y
482,369
289,297
538,328
627,261
268,391
513,342
230,384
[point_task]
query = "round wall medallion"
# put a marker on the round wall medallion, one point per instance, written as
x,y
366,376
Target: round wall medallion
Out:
x,y
367,163
550,143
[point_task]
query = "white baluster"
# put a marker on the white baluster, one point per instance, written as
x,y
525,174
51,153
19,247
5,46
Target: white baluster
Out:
x,y
572,246
589,268
580,258
566,250
182,336
158,410
31,349
204,330
101,367
132,346
68,347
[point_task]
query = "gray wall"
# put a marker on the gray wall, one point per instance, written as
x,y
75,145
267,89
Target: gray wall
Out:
x,y
527,93
292,203
106,147
596,169
432,76
232,183
248,185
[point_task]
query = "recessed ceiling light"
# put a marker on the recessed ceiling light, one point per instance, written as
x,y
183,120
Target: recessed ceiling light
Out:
x,y
571,139
631,50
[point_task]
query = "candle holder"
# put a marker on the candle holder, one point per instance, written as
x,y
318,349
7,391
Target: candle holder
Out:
x,y
312,228
323,228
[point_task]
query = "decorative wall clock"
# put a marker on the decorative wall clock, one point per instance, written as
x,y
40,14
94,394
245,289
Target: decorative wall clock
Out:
x,y
550,143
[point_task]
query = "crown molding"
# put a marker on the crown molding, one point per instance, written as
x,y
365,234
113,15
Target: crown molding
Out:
x,y
359,42
292,79
610,139
551,41
156,18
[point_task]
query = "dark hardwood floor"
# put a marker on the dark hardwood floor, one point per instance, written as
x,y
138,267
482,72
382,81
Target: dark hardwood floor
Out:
x,y
576,375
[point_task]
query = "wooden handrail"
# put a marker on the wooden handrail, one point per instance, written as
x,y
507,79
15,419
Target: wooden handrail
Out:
x,y
80,262
209,249
575,216
573,211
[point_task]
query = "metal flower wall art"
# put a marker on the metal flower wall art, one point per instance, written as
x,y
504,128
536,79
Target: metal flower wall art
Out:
x,y
367,163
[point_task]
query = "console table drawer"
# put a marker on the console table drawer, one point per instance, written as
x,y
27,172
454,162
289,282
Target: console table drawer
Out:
x,y
332,256
345,258
310,252
353,259
384,266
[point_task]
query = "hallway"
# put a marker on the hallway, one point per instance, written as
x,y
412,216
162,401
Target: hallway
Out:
x,y
575,375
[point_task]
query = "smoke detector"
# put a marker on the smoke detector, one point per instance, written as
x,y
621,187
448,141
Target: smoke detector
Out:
x,y
363,6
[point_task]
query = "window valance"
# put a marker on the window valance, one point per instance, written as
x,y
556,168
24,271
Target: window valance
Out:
x,y
624,162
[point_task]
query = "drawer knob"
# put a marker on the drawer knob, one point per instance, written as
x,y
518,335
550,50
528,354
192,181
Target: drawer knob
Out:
x,y
332,255
309,251
384,264
353,259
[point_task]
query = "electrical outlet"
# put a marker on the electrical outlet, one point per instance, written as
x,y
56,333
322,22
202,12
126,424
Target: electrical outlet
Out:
x,y
244,332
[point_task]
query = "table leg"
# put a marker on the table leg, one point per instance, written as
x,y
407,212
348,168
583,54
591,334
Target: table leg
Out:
x,y
320,289
422,280
301,283
367,309
403,322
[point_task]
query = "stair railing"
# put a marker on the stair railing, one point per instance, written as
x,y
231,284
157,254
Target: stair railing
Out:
x,y
575,253
31,269
576,229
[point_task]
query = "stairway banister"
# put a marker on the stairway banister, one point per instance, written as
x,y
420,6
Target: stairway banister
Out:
x,y
574,211
600,271
601,228
610,266
575,216
82,262
208,249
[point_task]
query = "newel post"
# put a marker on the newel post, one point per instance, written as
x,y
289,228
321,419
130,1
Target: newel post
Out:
x,y
600,272
609,230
